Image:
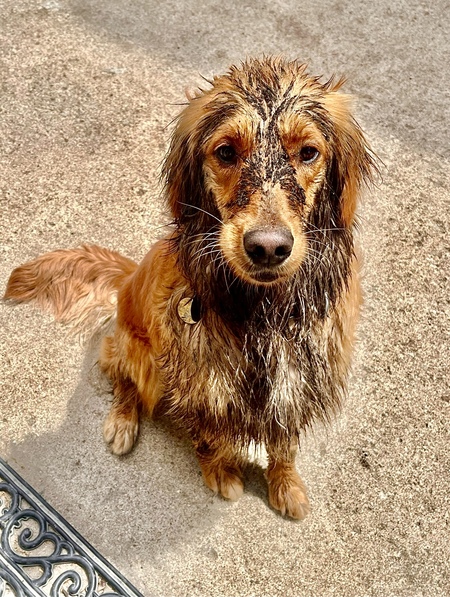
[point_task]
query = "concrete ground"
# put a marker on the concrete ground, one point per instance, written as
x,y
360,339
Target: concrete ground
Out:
x,y
88,88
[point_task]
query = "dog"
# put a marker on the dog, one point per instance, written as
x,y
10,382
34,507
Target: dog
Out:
x,y
240,323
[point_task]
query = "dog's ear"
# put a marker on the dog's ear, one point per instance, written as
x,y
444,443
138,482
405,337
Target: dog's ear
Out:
x,y
182,168
353,162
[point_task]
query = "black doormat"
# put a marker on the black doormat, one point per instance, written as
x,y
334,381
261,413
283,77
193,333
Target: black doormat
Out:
x,y
42,555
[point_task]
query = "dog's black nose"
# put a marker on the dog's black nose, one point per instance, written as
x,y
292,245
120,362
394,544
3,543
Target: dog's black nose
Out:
x,y
268,246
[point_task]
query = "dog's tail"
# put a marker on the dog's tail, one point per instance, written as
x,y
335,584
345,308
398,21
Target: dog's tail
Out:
x,y
79,286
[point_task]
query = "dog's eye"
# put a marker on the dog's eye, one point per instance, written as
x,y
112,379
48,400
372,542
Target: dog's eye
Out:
x,y
227,154
308,154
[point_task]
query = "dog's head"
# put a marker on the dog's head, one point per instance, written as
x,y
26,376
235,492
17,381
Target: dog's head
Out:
x,y
260,160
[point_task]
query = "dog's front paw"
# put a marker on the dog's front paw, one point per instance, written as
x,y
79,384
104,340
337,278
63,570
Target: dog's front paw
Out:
x,y
120,432
290,500
227,481
223,477
287,493
221,468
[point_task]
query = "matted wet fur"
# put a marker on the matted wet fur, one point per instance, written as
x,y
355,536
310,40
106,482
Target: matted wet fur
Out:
x,y
240,324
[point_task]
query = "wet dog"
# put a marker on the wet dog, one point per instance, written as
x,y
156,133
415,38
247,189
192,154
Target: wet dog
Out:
x,y
240,323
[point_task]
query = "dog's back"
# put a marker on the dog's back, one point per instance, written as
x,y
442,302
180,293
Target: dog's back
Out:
x,y
79,286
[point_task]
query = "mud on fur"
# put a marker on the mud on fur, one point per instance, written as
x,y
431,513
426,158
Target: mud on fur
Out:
x,y
240,323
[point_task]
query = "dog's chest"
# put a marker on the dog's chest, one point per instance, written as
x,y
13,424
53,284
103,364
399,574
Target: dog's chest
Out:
x,y
251,366
253,383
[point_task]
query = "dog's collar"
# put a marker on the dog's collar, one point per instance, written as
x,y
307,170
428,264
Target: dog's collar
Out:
x,y
190,309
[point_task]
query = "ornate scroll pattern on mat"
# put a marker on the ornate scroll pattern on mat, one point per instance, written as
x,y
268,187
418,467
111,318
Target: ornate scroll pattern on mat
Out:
x,y
42,555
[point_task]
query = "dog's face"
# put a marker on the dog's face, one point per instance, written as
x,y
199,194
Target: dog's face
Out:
x,y
259,152
264,171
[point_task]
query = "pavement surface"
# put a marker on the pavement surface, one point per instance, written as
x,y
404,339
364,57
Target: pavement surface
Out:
x,y
88,89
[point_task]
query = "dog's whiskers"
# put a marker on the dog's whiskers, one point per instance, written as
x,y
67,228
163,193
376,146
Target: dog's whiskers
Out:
x,y
321,230
203,249
202,235
202,210
206,255
319,256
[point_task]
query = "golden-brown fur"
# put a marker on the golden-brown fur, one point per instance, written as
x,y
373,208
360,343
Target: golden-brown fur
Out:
x,y
240,324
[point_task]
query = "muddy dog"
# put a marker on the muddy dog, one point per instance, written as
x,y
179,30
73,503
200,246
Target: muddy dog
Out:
x,y
240,323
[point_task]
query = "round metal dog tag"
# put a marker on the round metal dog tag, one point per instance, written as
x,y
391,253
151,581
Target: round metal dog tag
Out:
x,y
189,310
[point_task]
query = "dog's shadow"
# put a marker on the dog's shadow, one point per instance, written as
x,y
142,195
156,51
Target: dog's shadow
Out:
x,y
145,502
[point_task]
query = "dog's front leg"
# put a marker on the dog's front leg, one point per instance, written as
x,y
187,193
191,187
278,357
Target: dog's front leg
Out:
x,y
122,423
221,467
286,490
